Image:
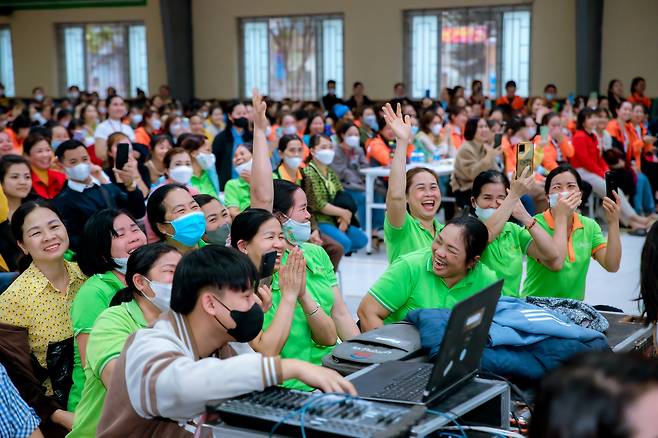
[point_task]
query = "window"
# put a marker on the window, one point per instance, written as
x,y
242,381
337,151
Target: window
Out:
x,y
95,56
6,61
456,46
291,56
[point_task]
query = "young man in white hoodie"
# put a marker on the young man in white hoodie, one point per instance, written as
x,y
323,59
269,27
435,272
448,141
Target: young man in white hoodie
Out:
x,y
198,353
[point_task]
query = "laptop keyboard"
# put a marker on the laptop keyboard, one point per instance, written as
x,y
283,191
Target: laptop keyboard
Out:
x,y
407,387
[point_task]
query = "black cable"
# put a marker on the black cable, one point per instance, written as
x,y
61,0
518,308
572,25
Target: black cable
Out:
x,y
515,388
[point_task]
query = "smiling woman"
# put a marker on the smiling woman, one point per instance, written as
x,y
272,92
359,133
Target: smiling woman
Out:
x,y
16,180
38,301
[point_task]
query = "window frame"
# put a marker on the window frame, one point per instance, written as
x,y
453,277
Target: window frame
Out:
x,y
320,80
496,11
10,90
62,79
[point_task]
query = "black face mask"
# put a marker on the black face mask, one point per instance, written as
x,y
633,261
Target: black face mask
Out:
x,y
241,122
247,324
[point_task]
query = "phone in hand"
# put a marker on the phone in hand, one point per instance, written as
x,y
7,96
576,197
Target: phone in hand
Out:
x,y
498,140
266,270
543,133
123,152
611,185
525,154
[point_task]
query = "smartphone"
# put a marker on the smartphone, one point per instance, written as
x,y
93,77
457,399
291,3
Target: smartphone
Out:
x,y
525,154
123,151
610,185
266,270
571,99
543,133
594,96
498,140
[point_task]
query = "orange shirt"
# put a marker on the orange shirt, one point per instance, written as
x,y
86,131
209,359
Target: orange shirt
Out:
x,y
641,99
143,137
377,150
516,103
550,160
456,135
626,136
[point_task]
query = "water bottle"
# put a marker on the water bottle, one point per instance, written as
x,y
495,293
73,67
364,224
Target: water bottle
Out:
x,y
417,157
436,156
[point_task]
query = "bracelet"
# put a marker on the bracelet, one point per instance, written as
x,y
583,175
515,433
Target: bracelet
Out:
x,y
314,311
534,222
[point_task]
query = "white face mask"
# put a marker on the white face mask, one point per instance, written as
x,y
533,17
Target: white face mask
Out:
x,y
205,160
552,198
290,130
292,162
436,129
162,295
325,156
268,131
79,172
484,213
122,262
352,141
136,119
181,174
156,124
242,167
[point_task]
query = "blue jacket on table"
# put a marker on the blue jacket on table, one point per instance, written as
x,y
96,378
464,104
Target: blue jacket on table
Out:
x,y
525,341
77,207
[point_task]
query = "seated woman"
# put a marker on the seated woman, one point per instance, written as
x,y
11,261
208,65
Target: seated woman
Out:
x,y
40,298
204,178
428,140
321,185
149,274
585,239
46,182
236,191
441,276
16,181
412,200
148,128
178,169
175,217
494,202
605,394
108,238
155,164
366,120
139,172
291,150
474,156
218,220
557,148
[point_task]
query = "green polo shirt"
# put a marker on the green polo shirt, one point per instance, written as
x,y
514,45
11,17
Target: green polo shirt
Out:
x,y
106,342
93,297
504,256
585,240
408,238
236,194
410,283
203,184
320,282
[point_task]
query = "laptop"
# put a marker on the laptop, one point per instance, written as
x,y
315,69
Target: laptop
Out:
x,y
457,362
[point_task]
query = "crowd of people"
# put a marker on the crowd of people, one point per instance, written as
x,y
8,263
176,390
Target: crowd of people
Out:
x,y
133,235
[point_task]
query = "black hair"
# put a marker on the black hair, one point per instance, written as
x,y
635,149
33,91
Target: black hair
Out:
x,y
316,138
510,84
10,160
561,169
68,145
211,266
488,177
203,199
471,128
18,220
246,225
547,118
356,84
342,129
191,142
331,82
454,111
301,114
108,99
31,140
649,275
549,86
635,82
475,233
155,209
590,395
176,150
283,196
611,84
159,139
95,248
583,115
20,122
141,261
284,140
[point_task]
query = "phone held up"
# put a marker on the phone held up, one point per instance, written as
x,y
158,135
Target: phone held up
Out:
x,y
123,152
525,154
611,185
266,270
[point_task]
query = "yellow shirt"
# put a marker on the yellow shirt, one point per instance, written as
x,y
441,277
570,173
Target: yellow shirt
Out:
x,y
33,302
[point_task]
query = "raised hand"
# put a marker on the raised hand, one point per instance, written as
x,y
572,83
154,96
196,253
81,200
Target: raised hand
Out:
x,y
401,126
522,185
260,107
612,208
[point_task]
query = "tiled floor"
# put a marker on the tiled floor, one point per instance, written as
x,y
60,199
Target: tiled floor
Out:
x,y
359,272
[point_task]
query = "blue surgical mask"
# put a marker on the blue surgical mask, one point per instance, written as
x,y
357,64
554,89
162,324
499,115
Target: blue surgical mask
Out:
x,y
296,232
414,130
55,144
371,121
189,228
122,262
484,213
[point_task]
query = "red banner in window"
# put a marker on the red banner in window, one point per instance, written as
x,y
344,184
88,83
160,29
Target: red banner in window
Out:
x,y
464,35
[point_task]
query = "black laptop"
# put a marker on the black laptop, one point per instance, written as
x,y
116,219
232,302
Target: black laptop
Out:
x,y
458,359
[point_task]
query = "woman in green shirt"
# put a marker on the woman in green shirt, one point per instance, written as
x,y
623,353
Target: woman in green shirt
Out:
x,y
236,191
204,177
493,201
413,197
585,239
149,275
108,238
437,277
291,149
